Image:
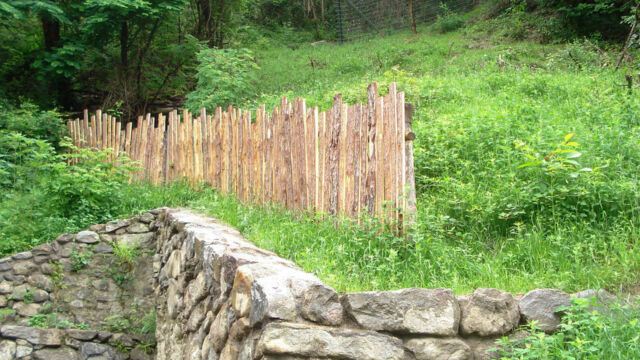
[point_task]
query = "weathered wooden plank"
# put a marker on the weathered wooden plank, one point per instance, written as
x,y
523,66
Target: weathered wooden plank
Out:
x,y
204,144
349,163
325,185
248,159
127,139
310,131
105,134
300,165
116,151
278,159
92,131
229,150
342,165
240,183
380,159
85,127
161,150
98,123
197,148
357,160
389,155
400,153
334,154
269,162
262,148
410,183
396,147
255,185
217,141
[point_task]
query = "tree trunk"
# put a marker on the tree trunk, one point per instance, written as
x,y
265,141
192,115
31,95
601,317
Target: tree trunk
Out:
x,y
51,32
204,20
124,45
412,18
315,19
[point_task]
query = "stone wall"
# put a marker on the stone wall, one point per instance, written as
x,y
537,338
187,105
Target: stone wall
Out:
x,y
216,296
79,283
220,297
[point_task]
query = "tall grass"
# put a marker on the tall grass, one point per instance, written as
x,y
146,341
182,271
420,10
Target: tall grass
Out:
x,y
484,108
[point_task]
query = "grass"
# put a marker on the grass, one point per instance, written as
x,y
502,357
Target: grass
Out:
x,y
610,333
483,104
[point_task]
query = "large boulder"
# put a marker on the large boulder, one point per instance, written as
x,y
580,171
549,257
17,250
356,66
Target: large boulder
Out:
x,y
409,311
541,306
489,312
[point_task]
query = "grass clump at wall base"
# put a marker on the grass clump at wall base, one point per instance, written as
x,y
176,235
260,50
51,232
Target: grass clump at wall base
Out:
x,y
611,332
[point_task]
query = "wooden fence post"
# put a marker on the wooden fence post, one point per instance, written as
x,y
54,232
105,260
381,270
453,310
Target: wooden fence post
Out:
x,y
349,161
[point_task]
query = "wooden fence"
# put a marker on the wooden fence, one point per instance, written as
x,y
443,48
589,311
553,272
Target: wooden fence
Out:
x,y
348,161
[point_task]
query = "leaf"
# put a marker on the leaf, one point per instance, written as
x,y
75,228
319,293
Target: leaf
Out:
x,y
573,155
572,143
532,163
567,137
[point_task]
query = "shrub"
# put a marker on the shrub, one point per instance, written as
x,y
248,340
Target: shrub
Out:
x,y
448,21
42,196
23,160
224,78
31,122
610,333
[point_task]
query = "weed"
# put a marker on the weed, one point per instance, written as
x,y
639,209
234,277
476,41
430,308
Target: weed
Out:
x,y
126,258
27,298
57,275
52,320
134,321
80,260
611,333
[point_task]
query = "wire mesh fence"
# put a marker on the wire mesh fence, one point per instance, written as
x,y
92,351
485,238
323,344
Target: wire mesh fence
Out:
x,y
363,18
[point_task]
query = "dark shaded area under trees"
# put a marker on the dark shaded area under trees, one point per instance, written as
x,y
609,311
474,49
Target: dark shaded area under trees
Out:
x,y
125,55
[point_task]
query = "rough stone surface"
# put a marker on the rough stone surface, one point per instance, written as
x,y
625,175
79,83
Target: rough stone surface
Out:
x,y
316,341
47,337
112,226
439,349
55,354
217,296
489,312
541,305
87,237
7,350
412,311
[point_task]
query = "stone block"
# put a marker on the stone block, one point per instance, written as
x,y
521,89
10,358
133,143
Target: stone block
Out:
x,y
489,312
407,311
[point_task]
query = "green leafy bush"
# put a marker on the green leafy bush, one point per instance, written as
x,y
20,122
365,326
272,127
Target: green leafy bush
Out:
x,y
31,122
42,196
585,333
23,161
448,21
225,77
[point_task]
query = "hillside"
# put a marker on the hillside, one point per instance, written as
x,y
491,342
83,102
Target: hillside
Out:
x,y
525,160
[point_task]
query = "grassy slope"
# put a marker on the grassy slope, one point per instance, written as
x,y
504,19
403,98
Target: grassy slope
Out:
x,y
480,224
483,221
